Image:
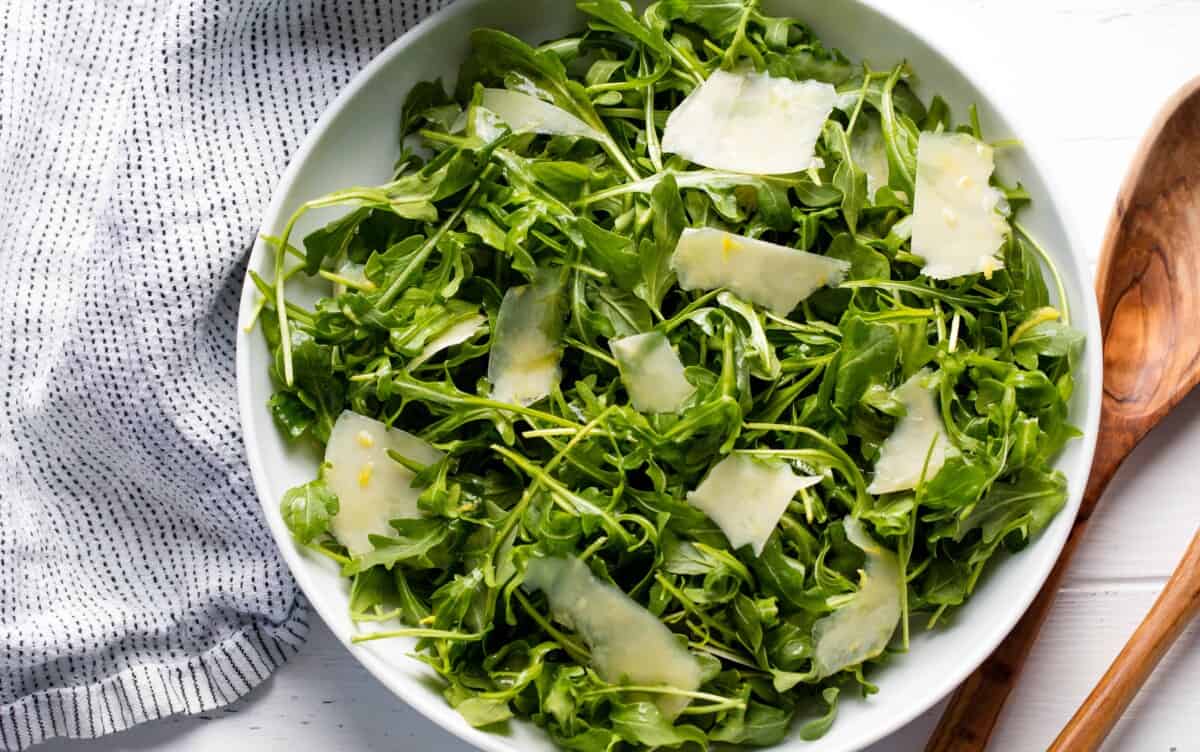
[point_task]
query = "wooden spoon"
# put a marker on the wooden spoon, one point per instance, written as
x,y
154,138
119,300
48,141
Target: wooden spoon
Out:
x,y
1148,285
1177,605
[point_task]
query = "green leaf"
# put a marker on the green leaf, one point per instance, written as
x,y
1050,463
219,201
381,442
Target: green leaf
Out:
x,y
720,18
369,591
611,252
481,223
865,262
331,241
410,546
900,135
592,740
1052,339
625,313
945,583
307,510
452,601
499,54
1025,505
643,723
757,725
669,219
959,483
869,354
780,574
804,63
317,384
848,177
291,415
748,622
481,712
818,727
423,97
617,15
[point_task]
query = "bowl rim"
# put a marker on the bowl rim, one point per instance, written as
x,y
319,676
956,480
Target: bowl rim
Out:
x,y
1085,317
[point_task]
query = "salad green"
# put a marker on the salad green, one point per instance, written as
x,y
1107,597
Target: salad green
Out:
x,y
516,293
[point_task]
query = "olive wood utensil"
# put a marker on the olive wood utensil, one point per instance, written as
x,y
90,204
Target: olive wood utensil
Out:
x,y
1148,286
1177,605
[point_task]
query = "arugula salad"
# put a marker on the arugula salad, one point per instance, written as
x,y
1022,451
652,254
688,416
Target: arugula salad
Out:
x,y
683,368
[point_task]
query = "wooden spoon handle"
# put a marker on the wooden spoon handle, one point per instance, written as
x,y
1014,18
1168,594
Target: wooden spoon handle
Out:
x,y
975,707
1177,605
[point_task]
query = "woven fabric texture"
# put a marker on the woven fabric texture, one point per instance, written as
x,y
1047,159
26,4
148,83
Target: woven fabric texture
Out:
x,y
139,144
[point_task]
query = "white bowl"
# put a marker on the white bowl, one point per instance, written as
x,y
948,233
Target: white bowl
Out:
x,y
354,143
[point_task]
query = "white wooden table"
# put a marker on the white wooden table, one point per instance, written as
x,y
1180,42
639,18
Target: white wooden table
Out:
x,y
1091,73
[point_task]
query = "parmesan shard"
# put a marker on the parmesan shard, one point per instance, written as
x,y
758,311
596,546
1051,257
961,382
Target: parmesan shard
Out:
x,y
750,122
455,334
773,276
523,366
371,487
862,628
746,497
524,113
627,642
902,456
956,225
869,151
352,272
652,372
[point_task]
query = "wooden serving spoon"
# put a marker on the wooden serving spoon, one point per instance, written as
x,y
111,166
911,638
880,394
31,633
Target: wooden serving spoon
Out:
x,y
1148,285
1177,605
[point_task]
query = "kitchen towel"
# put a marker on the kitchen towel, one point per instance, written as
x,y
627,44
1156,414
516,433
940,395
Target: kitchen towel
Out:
x,y
139,144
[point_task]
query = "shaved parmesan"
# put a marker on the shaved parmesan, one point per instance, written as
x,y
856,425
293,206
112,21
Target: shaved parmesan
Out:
x,y
651,372
627,642
523,363
372,488
861,628
773,276
869,152
455,334
750,122
747,496
956,227
902,456
525,113
352,272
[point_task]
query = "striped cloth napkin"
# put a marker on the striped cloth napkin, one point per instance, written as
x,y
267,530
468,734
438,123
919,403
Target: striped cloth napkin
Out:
x,y
139,143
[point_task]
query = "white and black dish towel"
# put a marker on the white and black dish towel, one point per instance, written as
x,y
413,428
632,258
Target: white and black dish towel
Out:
x,y
139,144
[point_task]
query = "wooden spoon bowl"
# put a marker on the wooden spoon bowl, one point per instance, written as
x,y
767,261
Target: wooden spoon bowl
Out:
x,y
1148,287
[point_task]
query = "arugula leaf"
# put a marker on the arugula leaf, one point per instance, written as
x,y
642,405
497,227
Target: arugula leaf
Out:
x,y
411,545
307,510
625,313
331,240
848,177
720,18
1025,506
643,723
868,355
818,727
423,97
317,384
757,725
499,54
481,712
669,219
291,415
900,135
